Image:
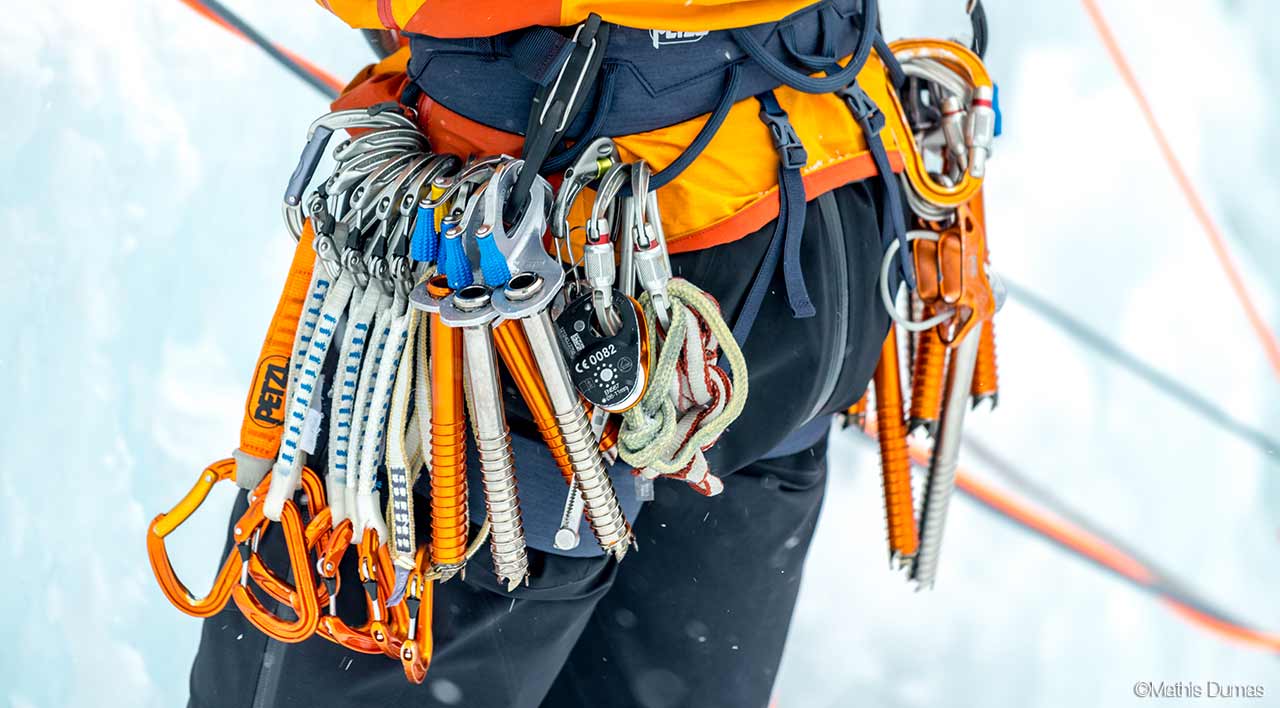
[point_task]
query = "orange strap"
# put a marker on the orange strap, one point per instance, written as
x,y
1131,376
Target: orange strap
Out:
x,y
264,409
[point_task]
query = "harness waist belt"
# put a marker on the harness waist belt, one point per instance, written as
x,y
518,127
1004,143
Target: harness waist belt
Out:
x,y
650,79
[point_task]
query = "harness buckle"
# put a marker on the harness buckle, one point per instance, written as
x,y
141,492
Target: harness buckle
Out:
x,y
865,111
790,150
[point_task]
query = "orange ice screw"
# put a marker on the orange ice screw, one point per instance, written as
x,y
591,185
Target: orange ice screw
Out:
x,y
448,442
986,377
927,379
512,346
856,414
894,460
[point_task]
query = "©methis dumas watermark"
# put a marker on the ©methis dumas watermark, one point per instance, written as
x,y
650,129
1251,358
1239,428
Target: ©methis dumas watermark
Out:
x,y
1201,689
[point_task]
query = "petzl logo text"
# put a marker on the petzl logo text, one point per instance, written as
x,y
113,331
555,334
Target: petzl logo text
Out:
x,y
664,37
267,402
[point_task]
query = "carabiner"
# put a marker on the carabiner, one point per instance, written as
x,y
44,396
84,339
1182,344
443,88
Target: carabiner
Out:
x,y
304,603
599,157
164,524
417,643
377,576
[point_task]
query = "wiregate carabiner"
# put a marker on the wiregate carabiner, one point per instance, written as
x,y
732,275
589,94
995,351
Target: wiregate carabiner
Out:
x,y
318,135
317,535
304,599
402,138
377,576
417,643
164,524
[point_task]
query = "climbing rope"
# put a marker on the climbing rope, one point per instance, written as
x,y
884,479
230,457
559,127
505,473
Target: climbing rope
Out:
x,y
690,401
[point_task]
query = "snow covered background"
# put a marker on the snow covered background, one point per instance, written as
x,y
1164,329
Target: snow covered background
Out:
x,y
145,155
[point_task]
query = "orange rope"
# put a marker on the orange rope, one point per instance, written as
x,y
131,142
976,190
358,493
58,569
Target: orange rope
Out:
x,y
1216,240
1100,551
324,76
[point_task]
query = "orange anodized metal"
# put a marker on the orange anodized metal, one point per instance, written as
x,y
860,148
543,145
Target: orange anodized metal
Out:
x,y
417,643
305,604
316,533
377,575
894,459
986,375
448,440
164,524
962,264
332,627
856,414
927,378
512,346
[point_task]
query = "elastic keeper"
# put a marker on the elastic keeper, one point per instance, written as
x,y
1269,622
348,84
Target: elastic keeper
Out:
x,y
454,263
425,243
493,266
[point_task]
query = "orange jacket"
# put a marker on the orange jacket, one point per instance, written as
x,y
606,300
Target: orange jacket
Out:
x,y
483,18
730,191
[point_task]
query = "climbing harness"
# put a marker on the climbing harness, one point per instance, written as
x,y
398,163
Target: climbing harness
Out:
x,y
420,276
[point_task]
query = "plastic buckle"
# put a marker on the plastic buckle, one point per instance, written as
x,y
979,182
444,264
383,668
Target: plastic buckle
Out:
x,y
864,110
790,150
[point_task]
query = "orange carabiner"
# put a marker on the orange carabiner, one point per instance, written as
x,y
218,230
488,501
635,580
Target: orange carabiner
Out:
x,y
894,460
377,575
417,643
962,264
332,627
316,534
304,603
449,522
164,524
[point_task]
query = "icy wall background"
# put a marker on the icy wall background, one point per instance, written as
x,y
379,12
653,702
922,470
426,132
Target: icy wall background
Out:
x,y
144,158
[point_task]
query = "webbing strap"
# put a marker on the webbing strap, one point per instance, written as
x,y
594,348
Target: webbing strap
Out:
x,y
836,78
539,52
287,470
368,513
343,402
789,229
360,417
700,141
604,100
264,408
401,471
892,223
